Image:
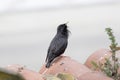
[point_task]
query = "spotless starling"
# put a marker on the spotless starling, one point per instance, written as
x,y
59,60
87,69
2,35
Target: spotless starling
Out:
x,y
58,44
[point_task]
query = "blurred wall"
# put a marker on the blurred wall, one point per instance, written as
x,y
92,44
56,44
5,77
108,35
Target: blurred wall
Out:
x,y
25,34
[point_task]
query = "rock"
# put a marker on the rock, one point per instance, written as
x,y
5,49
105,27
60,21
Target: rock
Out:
x,y
94,76
65,64
98,57
26,73
9,75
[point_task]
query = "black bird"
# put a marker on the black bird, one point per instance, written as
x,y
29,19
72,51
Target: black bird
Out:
x,y
58,44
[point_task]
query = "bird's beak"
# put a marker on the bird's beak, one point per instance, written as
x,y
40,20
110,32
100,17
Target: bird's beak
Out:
x,y
66,22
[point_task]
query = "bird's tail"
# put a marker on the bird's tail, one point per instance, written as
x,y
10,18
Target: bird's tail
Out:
x,y
48,64
49,61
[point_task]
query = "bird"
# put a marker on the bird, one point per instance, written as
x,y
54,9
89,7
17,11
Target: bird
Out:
x,y
58,44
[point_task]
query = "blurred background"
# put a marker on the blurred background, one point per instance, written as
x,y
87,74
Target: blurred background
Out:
x,y
28,26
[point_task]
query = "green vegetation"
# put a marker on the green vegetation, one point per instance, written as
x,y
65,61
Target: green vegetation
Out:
x,y
60,76
111,66
9,75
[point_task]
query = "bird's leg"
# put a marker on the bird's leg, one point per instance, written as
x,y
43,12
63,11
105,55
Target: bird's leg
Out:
x,y
45,71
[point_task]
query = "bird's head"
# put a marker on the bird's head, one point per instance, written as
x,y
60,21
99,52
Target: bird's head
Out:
x,y
63,28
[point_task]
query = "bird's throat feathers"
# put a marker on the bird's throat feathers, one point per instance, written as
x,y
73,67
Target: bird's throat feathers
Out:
x,y
62,29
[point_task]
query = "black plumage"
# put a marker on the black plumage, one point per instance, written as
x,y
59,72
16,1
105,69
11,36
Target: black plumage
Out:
x,y
58,44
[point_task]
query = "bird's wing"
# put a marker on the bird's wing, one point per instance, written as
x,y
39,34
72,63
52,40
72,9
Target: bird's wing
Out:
x,y
47,55
51,48
59,46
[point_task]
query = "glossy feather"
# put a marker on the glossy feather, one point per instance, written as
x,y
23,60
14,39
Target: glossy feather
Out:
x,y
58,44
